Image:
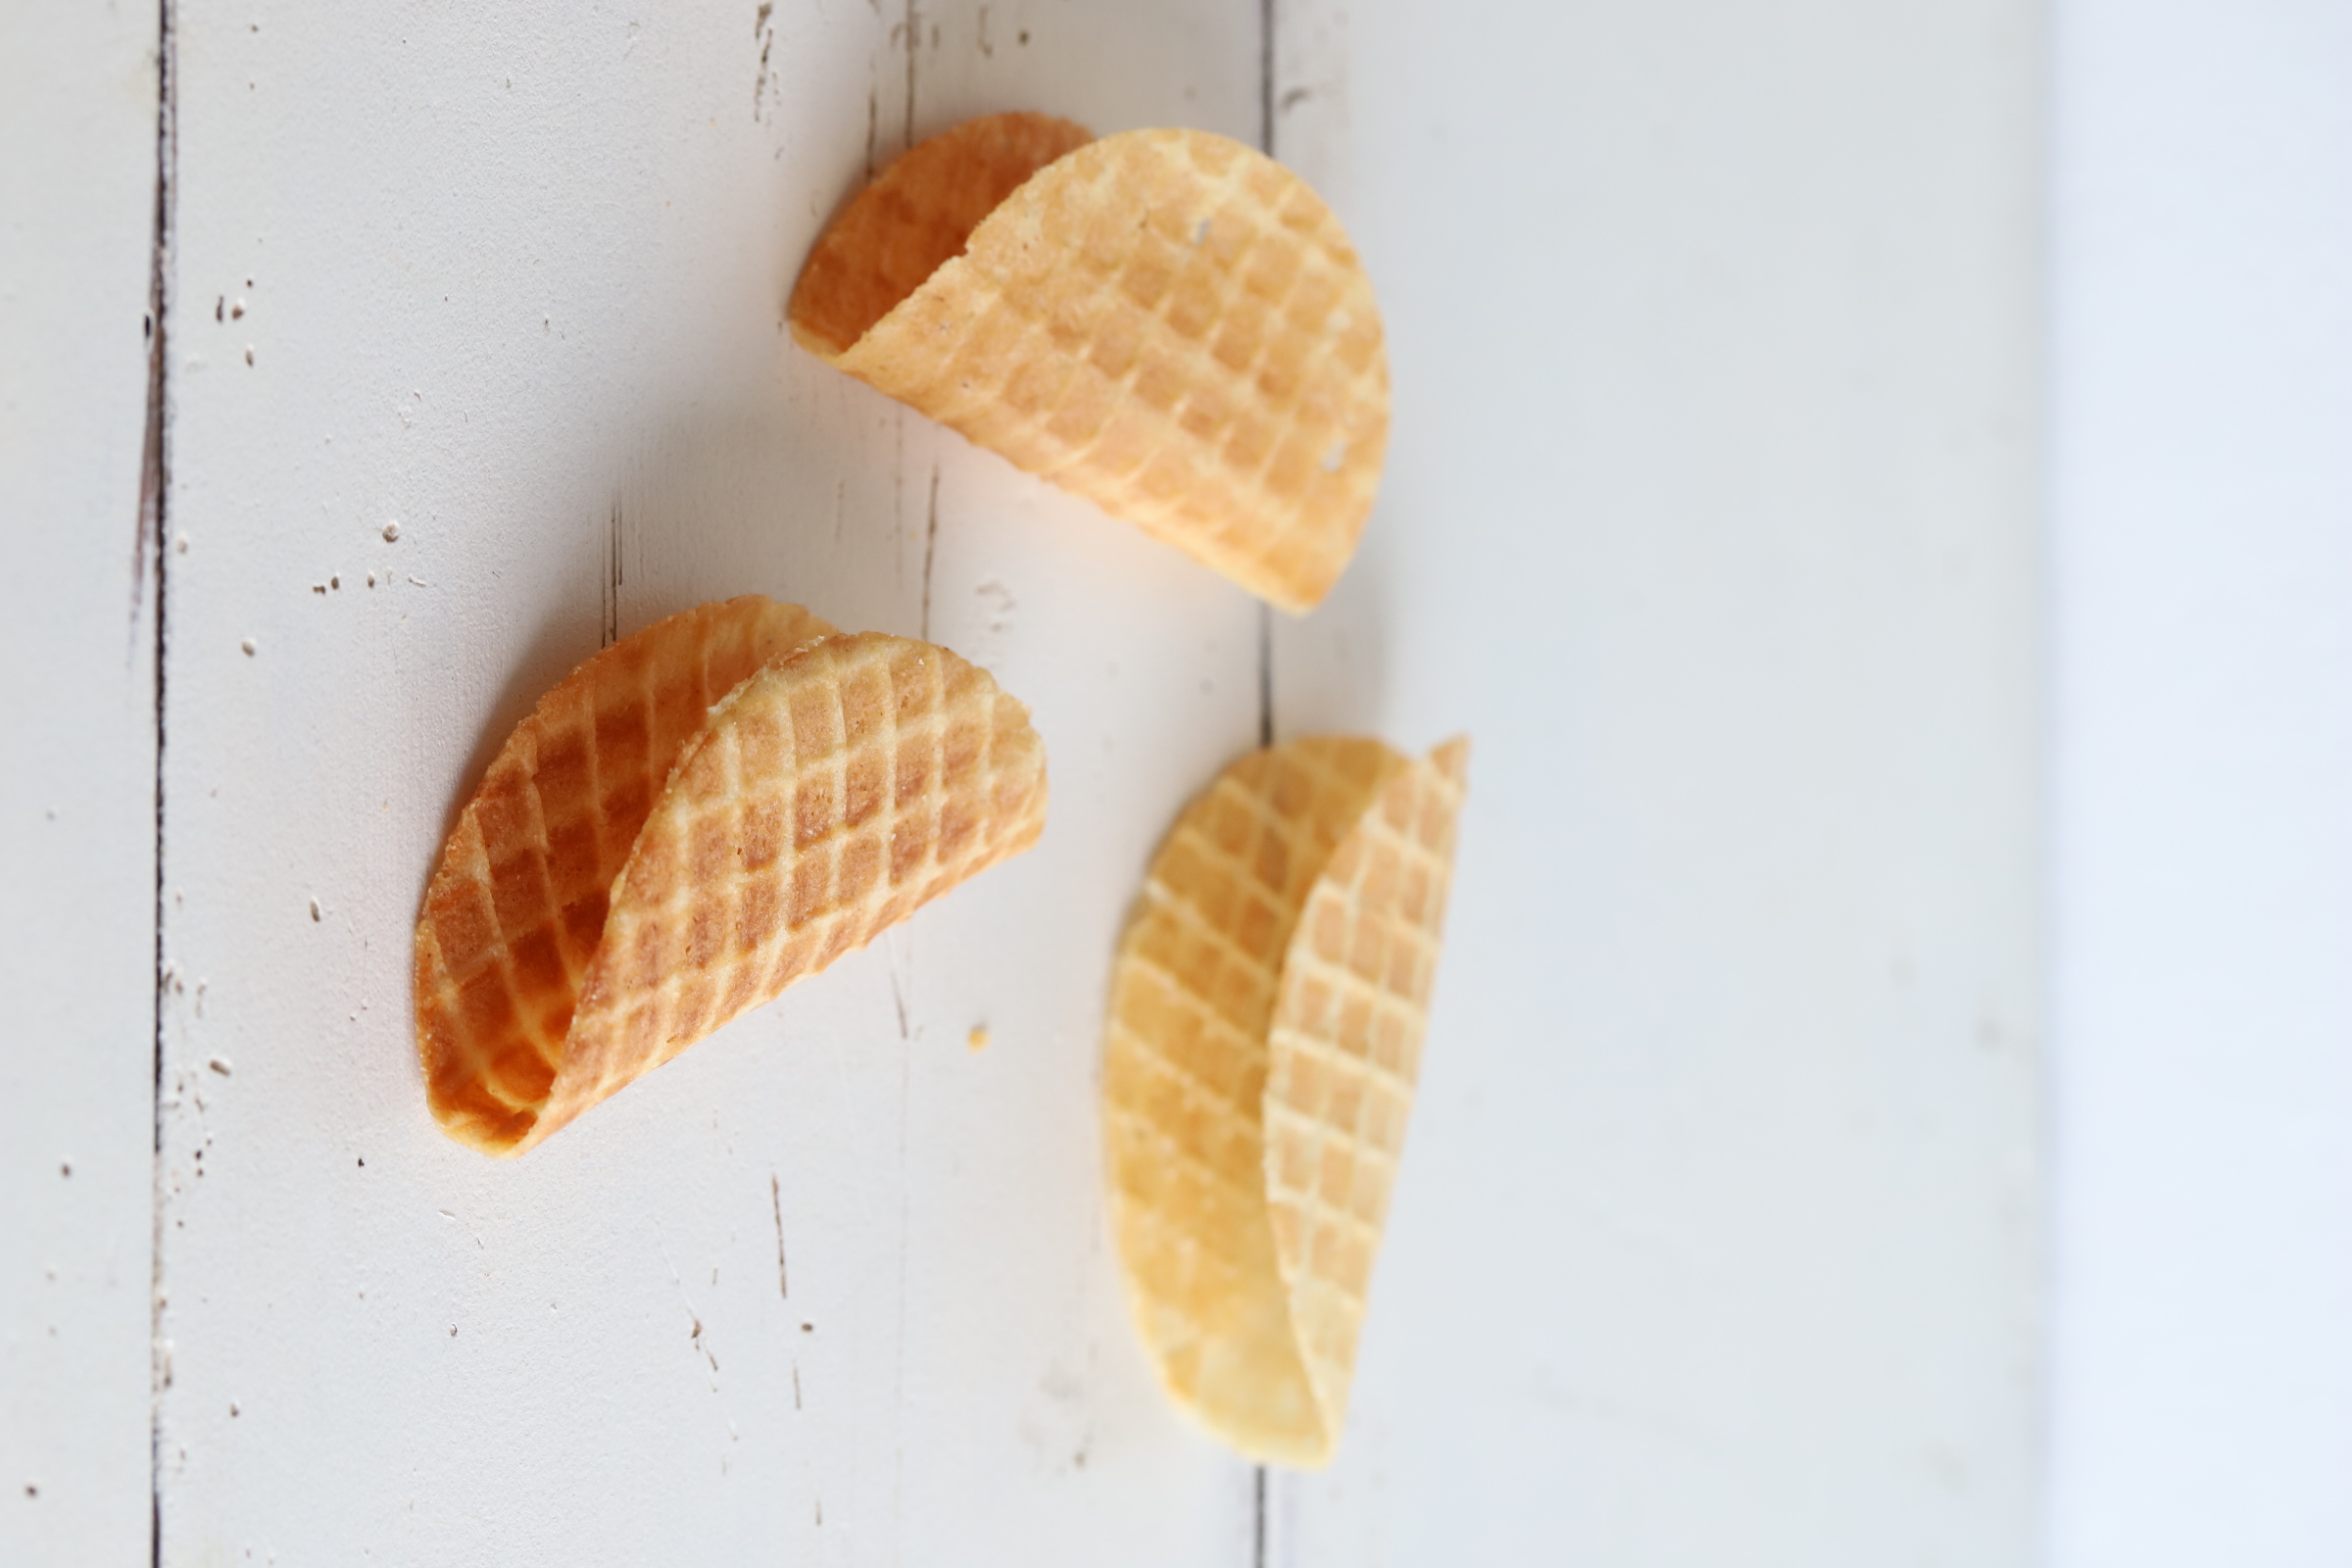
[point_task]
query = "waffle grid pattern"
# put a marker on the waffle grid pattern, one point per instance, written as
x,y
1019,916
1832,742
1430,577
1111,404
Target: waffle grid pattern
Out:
x,y
1176,328
1345,1054
831,795
684,826
516,911
1194,992
914,219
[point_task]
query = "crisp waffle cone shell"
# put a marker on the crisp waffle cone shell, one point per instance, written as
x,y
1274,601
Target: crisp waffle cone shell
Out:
x,y
1223,1045
1165,322
1344,1055
701,815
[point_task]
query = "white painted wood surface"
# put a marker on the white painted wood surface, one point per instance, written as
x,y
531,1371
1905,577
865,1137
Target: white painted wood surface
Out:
x,y
1710,515
77,168
832,1288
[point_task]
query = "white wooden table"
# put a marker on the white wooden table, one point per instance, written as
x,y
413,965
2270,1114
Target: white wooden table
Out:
x,y
1711,515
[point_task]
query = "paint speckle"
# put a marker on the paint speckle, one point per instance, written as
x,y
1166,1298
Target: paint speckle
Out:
x,y
996,604
1201,233
247,645
182,544
220,1064
334,582
391,532
247,354
979,1038
1335,457
315,911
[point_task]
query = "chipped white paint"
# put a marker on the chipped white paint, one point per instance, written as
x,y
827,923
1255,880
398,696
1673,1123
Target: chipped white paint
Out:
x,y
78,122
832,1287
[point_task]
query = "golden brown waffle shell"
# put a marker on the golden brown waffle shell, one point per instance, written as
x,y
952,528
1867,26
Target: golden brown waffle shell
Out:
x,y
1219,1039
1165,322
650,857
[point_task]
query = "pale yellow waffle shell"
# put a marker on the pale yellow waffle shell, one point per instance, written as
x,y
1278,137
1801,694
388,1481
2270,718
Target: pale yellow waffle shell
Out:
x,y
1165,322
1267,1006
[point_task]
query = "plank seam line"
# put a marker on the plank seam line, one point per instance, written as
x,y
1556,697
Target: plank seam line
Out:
x,y
155,489
1265,647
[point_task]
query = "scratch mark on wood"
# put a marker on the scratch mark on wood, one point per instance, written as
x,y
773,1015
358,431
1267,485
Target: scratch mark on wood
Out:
x,y
930,550
694,1334
610,632
914,38
775,1196
1265,76
873,112
763,33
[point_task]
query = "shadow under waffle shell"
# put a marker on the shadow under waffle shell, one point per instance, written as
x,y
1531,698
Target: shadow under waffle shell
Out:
x,y
1267,1006
699,816
1165,322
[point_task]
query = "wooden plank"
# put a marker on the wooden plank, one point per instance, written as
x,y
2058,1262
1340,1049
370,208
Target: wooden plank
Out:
x,y
77,636
2201,1400
1711,514
833,1286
